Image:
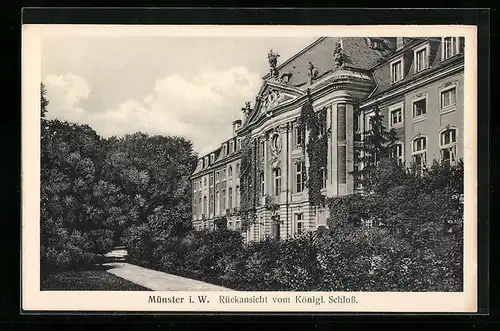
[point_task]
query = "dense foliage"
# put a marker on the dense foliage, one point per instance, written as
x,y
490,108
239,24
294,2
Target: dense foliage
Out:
x,y
314,123
248,181
377,144
96,193
415,243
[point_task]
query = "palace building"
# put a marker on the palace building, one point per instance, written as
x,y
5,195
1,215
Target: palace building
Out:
x,y
416,83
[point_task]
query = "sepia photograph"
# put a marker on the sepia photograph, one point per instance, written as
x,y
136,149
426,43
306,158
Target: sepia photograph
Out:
x,y
267,166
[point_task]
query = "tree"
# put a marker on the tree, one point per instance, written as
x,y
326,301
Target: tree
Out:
x,y
377,145
43,100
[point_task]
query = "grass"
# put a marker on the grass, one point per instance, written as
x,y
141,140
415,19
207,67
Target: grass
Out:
x,y
87,280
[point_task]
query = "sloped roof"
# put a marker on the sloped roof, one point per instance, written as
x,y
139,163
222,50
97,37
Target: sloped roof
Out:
x,y
382,73
357,52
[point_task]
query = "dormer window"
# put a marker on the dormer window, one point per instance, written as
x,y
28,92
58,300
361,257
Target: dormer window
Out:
x,y
396,70
206,162
450,47
421,58
224,150
231,147
212,158
375,43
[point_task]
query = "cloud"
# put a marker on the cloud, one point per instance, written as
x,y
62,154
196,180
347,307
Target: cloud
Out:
x,y
66,93
200,109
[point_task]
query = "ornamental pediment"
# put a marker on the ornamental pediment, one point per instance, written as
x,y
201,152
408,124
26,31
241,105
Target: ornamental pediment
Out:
x,y
273,96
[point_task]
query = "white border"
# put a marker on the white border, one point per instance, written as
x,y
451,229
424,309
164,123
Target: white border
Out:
x,y
33,299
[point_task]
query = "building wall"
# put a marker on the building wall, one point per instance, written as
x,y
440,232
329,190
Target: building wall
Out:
x,y
434,122
345,127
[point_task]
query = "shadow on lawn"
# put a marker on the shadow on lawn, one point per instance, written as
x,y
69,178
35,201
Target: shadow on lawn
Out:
x,y
90,278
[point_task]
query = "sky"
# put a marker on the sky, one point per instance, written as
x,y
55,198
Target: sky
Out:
x,y
188,86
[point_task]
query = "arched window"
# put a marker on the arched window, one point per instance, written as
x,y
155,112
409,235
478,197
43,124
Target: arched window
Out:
x,y
230,171
277,181
419,153
448,145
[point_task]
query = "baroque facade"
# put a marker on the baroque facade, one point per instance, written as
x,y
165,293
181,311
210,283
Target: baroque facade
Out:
x,y
416,83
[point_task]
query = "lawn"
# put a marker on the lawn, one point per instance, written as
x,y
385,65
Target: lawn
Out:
x,y
87,280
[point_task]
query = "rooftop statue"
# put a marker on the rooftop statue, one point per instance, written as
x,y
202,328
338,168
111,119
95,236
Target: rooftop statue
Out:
x,y
272,57
338,55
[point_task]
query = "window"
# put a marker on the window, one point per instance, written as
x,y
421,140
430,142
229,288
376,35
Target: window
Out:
x,y
277,181
300,223
212,158
237,196
448,98
421,58
450,47
420,153
262,148
396,115
262,183
217,176
323,177
206,162
357,118
237,170
396,71
369,124
230,171
299,176
397,152
224,174
420,107
231,147
211,180
238,144
229,225
200,211
230,198
299,136
223,201
205,182
448,144
211,207
205,206
217,202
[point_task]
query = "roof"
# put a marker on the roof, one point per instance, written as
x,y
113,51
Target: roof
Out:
x,y
357,52
382,73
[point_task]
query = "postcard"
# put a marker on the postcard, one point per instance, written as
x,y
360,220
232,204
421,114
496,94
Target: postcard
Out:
x,y
249,168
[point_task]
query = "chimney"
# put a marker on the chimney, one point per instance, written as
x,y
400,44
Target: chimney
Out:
x,y
236,126
400,41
